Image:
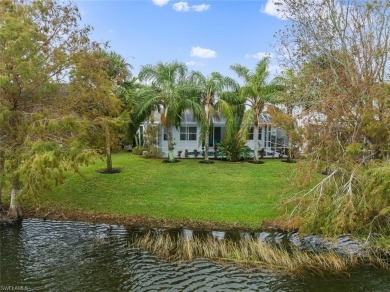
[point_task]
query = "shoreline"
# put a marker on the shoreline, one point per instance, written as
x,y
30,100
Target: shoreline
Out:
x,y
144,221
137,221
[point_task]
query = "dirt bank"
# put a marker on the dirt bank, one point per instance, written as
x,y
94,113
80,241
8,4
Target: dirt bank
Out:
x,y
132,220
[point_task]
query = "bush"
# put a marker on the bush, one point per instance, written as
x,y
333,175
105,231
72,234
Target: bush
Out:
x,y
152,152
233,150
137,150
147,151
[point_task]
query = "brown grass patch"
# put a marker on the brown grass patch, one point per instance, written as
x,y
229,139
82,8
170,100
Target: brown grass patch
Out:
x,y
251,253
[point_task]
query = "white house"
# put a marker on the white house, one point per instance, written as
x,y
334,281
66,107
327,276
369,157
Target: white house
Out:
x,y
186,138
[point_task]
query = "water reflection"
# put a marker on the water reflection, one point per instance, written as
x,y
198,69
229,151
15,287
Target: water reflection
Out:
x,y
220,235
68,256
187,233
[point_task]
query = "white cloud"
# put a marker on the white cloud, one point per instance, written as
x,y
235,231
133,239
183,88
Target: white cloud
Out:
x,y
259,55
160,2
275,8
181,6
184,7
195,64
200,8
203,53
111,31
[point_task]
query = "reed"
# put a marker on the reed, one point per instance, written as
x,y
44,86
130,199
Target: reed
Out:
x,y
250,253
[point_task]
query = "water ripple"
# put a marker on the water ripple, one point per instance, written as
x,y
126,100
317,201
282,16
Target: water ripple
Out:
x,y
76,256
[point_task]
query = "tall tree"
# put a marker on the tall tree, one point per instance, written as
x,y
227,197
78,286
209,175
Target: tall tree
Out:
x,y
211,91
341,53
170,93
38,141
254,93
94,95
118,70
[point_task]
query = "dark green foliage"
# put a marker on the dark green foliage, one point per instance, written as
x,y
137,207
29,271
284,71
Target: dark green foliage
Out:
x,y
233,150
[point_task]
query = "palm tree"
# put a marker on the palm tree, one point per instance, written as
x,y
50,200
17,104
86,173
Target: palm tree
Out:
x,y
118,70
116,67
254,93
168,92
211,91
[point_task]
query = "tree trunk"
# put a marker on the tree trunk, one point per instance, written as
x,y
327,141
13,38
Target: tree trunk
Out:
x,y
207,132
14,211
171,145
256,142
2,162
108,148
206,146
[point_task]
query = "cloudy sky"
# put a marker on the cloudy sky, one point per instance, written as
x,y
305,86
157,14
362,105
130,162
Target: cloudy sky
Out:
x,y
207,35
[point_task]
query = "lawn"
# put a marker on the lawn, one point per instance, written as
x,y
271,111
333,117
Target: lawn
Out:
x,y
233,193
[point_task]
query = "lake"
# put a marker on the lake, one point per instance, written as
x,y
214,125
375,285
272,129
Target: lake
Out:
x,y
39,255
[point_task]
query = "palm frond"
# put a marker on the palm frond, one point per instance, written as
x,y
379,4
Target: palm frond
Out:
x,y
241,71
147,103
246,123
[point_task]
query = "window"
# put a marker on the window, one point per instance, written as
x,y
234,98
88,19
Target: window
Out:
x,y
188,133
251,133
183,133
165,134
192,133
215,136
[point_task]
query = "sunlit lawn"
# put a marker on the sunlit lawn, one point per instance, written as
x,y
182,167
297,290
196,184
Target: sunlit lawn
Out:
x,y
234,193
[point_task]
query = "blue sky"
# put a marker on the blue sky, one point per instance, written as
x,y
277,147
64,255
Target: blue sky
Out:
x,y
206,35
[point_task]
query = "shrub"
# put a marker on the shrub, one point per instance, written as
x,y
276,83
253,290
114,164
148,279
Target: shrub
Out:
x,y
137,150
233,150
152,152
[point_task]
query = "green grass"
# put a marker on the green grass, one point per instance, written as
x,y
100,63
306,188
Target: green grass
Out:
x,y
232,193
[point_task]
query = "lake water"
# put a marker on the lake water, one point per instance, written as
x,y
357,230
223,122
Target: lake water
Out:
x,y
74,256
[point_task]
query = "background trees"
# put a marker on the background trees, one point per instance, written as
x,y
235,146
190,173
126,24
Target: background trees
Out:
x,y
341,54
